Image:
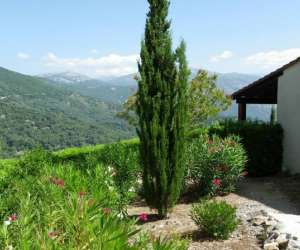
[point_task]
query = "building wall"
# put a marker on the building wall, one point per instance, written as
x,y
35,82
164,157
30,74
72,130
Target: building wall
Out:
x,y
288,109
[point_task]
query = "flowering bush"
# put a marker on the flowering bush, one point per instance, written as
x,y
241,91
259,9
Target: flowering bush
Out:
x,y
61,206
214,165
263,143
216,219
123,161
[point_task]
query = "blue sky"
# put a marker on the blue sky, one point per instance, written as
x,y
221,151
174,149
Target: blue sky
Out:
x,y
102,38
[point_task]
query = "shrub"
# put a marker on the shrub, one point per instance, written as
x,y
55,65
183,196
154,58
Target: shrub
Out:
x,y
216,219
262,141
123,158
63,206
214,164
174,242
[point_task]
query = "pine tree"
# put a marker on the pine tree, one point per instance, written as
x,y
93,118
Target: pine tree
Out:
x,y
162,110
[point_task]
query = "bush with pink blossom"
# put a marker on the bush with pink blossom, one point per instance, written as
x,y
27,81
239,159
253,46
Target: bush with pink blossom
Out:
x,y
214,165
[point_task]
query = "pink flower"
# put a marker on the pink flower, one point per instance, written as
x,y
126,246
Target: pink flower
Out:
x,y
143,217
217,182
12,217
245,173
51,234
106,210
81,194
57,182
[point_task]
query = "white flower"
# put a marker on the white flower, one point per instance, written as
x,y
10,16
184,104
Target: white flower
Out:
x,y
10,247
7,222
131,189
120,215
140,181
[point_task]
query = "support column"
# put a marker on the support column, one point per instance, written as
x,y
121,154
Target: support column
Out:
x,y
242,111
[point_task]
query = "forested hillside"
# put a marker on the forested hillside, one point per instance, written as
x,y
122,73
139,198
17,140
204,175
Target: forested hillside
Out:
x,y
34,113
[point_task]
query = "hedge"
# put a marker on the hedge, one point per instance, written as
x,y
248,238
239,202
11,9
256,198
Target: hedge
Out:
x,y
80,154
262,141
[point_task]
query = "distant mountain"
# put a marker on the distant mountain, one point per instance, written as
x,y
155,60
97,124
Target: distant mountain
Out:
x,y
116,90
34,112
66,77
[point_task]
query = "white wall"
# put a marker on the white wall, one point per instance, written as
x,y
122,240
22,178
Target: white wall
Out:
x,y
288,109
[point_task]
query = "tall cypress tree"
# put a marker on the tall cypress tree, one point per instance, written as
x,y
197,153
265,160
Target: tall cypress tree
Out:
x,y
162,110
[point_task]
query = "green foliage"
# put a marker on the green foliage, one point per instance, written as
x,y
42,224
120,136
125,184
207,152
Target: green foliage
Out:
x,y
206,100
166,244
161,243
63,206
262,141
216,219
162,110
123,158
214,164
129,111
34,113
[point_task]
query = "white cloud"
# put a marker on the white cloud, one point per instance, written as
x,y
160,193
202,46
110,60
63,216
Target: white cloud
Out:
x,y
110,65
23,56
223,56
273,59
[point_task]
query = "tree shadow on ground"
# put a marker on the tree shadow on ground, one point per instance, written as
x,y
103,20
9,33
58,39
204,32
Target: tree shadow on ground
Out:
x,y
279,192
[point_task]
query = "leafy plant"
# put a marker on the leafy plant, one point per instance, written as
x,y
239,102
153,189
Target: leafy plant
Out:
x,y
63,206
206,100
123,161
216,219
215,165
263,143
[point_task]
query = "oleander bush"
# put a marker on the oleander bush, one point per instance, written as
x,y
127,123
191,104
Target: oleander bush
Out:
x,y
50,205
122,158
216,219
262,141
214,165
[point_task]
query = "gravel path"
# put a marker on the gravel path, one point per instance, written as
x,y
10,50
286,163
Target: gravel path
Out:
x,y
253,196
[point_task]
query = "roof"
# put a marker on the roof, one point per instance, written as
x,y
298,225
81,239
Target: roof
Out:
x,y
264,90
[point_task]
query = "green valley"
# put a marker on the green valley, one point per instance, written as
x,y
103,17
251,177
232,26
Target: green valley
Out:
x,y
34,113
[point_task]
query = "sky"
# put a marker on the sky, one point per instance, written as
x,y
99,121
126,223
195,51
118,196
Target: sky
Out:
x,y
102,38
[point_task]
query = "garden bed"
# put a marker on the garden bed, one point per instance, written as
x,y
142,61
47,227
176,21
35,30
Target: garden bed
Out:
x,y
256,196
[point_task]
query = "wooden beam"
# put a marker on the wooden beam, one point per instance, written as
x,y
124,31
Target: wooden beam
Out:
x,y
258,100
242,111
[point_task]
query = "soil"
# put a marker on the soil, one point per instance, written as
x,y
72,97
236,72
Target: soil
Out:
x,y
272,194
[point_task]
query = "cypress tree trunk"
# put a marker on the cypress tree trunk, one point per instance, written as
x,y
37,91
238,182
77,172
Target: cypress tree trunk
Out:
x,y
162,110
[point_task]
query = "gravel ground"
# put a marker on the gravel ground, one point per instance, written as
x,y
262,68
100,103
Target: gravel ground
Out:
x,y
254,195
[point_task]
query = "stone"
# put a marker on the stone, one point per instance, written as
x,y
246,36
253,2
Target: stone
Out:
x,y
273,235
259,220
271,246
271,223
293,245
282,241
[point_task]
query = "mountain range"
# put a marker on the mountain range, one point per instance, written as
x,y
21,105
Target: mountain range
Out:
x,y
116,90
35,113
67,109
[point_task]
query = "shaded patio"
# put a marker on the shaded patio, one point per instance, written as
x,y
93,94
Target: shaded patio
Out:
x,y
262,91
